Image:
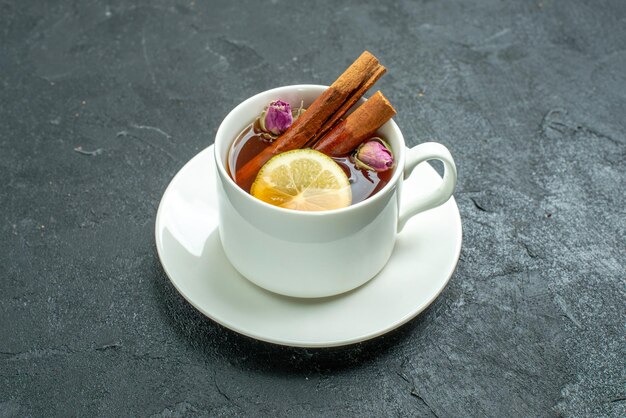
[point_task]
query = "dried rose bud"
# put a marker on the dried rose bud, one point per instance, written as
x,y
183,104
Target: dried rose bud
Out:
x,y
374,154
276,118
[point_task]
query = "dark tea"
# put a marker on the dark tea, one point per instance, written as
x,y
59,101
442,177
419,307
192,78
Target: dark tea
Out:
x,y
251,142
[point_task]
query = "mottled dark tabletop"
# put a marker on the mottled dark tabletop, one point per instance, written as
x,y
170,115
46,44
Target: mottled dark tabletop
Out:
x,y
102,102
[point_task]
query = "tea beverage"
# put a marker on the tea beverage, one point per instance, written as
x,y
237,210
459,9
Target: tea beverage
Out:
x,y
316,254
250,142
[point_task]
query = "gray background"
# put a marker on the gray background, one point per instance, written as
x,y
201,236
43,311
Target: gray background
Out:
x,y
529,96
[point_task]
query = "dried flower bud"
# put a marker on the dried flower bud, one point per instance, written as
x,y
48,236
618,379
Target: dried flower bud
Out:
x,y
374,154
276,118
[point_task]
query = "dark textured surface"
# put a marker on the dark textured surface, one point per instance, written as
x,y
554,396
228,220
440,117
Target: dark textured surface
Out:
x,y
529,96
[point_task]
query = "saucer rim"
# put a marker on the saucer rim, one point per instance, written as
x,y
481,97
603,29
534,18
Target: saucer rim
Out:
x,y
293,342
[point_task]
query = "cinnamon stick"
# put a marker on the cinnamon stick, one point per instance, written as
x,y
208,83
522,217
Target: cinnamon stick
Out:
x,y
357,127
329,107
349,103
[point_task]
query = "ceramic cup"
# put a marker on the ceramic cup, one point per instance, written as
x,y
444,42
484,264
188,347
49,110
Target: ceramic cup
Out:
x,y
317,254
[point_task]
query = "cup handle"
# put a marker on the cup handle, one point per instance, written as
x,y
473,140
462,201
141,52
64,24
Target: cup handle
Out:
x,y
417,204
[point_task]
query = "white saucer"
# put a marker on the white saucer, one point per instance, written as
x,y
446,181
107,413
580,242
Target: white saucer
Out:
x,y
188,244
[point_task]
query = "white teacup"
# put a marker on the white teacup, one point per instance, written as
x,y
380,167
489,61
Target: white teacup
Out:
x,y
317,254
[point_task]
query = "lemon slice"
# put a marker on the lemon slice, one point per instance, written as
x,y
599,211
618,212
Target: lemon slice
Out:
x,y
303,179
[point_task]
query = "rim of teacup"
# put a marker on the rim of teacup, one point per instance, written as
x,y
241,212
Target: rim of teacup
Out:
x,y
231,117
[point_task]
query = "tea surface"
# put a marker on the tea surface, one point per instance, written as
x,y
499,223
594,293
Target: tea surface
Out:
x,y
249,143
